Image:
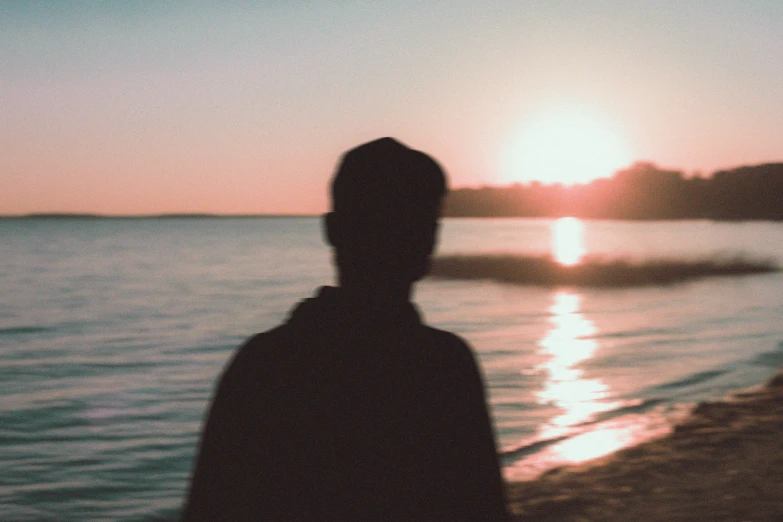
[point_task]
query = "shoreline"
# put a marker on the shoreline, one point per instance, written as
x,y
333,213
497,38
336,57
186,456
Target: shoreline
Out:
x,y
723,462
318,215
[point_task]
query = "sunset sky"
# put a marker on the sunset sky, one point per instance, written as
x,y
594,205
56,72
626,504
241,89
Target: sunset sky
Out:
x,y
151,107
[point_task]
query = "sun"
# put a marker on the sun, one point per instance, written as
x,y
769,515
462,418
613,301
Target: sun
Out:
x,y
564,145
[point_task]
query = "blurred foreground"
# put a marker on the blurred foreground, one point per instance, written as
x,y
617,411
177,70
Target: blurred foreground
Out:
x,y
546,271
724,463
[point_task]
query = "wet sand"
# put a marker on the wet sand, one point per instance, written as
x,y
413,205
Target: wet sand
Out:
x,y
724,462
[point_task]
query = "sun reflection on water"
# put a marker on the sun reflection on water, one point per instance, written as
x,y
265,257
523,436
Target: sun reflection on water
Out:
x,y
582,425
570,342
568,241
593,444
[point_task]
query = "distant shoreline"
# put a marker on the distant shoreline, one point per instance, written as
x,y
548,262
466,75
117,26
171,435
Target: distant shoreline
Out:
x,y
642,192
189,215
197,215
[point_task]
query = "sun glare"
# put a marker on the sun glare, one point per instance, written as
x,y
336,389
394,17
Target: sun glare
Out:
x,y
565,146
568,241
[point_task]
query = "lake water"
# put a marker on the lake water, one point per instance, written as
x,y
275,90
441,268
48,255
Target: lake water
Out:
x,y
113,331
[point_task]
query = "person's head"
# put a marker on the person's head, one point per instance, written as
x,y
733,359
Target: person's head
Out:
x,y
385,205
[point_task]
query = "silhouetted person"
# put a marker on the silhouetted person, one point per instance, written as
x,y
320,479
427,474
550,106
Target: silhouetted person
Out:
x,y
353,409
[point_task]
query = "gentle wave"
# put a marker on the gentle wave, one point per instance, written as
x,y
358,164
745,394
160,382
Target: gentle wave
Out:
x,y
20,330
635,407
690,380
530,448
534,445
771,359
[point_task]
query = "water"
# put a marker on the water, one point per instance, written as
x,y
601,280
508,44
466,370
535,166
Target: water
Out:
x,y
113,331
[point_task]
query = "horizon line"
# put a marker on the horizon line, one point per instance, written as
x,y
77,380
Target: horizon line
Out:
x,y
161,215
510,185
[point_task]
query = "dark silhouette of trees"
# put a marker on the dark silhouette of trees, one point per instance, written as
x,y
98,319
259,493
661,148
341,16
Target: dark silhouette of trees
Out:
x,y
642,191
748,193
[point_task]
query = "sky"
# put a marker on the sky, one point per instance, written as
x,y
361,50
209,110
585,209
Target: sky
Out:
x,y
134,107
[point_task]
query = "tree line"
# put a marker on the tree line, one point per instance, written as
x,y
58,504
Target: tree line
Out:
x,y
642,191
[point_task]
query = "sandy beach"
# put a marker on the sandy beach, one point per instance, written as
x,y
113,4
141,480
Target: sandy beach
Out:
x,y
724,462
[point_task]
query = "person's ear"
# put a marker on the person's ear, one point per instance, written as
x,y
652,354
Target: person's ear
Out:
x,y
331,230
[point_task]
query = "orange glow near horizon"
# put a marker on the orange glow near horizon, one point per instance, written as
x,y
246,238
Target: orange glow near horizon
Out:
x,y
568,241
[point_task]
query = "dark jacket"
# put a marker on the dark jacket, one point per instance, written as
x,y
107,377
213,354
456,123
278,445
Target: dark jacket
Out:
x,y
348,414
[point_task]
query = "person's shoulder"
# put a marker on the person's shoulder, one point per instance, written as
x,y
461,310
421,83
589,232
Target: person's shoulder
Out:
x,y
262,345
444,337
454,357
448,343
263,340
256,353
